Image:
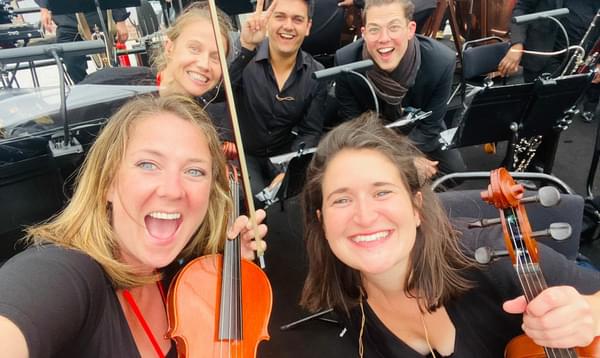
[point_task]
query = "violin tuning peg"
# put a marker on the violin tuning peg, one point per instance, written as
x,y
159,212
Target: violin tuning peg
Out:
x,y
557,231
485,254
547,196
484,222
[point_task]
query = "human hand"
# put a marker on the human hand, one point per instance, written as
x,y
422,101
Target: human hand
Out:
x,y
425,167
346,3
559,317
510,63
46,20
596,78
122,32
254,29
243,227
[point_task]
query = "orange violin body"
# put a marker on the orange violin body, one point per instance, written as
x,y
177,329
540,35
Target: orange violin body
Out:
x,y
523,347
194,306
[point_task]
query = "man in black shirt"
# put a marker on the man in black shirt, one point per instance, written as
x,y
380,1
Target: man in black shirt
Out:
x,y
66,31
280,106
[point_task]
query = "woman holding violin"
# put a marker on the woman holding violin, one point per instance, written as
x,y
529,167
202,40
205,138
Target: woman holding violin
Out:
x,y
151,194
383,253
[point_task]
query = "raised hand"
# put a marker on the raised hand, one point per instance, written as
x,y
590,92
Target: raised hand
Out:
x,y
254,29
243,227
559,317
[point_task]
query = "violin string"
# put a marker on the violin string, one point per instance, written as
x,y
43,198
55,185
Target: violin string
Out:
x,y
537,282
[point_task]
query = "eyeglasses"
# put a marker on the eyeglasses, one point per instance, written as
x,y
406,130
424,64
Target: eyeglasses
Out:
x,y
393,30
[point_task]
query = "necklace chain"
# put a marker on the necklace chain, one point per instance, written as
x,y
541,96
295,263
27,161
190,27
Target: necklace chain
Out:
x,y
362,329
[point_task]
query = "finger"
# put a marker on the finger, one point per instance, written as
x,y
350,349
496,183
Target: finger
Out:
x,y
259,215
238,225
515,306
550,299
259,7
270,10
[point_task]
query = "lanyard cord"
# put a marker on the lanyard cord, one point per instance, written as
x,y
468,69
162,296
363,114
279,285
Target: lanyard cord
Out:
x,y
131,301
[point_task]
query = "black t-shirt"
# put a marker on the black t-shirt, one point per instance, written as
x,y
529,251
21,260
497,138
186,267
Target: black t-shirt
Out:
x,y
65,305
483,329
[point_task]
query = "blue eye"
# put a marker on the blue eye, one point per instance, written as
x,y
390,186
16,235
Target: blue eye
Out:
x,y
146,165
341,201
382,193
195,172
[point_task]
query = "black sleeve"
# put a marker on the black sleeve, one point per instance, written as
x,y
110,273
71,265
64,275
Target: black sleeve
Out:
x,y
518,33
311,126
349,106
237,66
120,14
49,292
428,130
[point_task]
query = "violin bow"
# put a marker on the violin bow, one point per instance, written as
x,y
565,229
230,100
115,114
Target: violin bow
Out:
x,y
236,129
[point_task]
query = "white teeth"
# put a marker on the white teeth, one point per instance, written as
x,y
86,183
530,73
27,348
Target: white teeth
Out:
x,y
197,77
287,36
164,216
372,237
385,50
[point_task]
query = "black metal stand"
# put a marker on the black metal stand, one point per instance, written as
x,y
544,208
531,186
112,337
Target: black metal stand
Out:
x,y
318,315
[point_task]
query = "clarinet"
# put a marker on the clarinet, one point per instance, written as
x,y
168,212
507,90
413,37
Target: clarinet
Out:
x,y
576,63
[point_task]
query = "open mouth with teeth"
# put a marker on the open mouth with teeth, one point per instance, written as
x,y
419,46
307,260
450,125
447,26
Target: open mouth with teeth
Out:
x,y
372,238
162,226
197,77
287,36
385,51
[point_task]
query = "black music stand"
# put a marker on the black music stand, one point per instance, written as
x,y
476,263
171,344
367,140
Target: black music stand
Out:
x,y
515,111
236,7
490,115
550,111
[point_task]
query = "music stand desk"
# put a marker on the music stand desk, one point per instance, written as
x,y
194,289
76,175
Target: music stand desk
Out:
x,y
490,114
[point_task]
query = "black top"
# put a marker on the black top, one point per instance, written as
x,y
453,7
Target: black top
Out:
x,y
272,121
65,305
429,93
483,329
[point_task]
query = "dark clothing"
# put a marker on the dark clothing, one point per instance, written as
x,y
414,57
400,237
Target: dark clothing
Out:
x,y
65,305
544,35
430,92
272,121
66,31
482,327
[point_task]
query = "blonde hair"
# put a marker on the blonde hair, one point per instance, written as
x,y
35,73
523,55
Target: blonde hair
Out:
x,y
194,12
85,223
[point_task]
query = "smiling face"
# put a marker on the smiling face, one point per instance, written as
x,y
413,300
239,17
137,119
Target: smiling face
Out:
x,y
288,26
193,66
386,34
368,216
160,192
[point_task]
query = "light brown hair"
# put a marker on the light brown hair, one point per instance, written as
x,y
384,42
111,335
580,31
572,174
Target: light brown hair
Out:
x,y
85,223
407,6
436,260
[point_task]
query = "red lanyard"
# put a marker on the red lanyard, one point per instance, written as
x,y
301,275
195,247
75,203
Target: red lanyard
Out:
x,y
131,301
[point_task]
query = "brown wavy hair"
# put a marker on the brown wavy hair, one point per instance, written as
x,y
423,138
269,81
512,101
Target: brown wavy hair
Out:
x,y
85,223
436,259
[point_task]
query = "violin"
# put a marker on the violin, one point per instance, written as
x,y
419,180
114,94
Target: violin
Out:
x,y
219,305
506,195
207,299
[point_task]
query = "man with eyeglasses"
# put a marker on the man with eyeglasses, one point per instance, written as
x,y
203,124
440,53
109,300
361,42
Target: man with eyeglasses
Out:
x,y
410,71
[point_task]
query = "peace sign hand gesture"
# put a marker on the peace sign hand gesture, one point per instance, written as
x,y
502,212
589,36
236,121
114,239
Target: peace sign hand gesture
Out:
x,y
255,28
